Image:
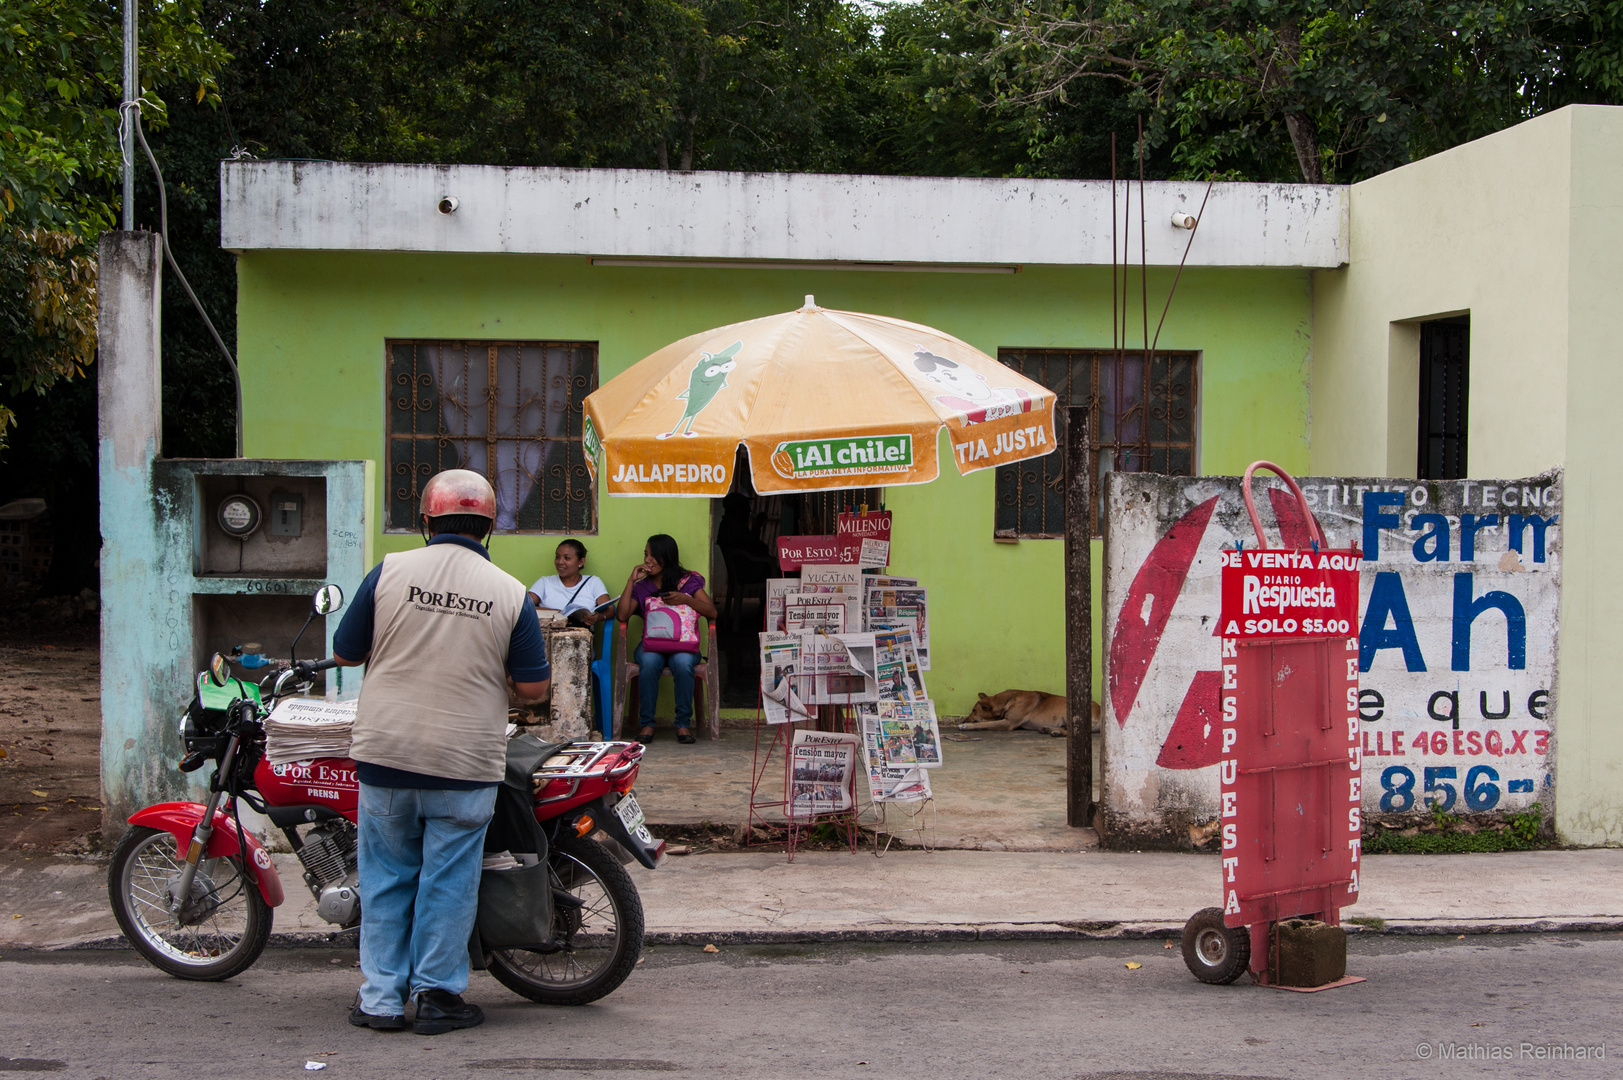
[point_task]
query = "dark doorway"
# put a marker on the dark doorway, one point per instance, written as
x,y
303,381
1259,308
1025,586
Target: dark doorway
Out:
x,y
744,530
1445,380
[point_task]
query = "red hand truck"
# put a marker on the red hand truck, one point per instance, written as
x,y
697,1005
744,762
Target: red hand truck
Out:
x,y
1291,767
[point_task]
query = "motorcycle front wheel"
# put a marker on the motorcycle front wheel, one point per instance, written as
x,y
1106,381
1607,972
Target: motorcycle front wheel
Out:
x,y
598,943
220,933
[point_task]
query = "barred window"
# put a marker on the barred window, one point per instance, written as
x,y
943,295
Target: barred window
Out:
x,y
511,410
1445,383
1142,419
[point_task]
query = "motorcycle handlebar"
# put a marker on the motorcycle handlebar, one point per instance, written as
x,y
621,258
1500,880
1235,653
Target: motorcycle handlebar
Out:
x,y
306,669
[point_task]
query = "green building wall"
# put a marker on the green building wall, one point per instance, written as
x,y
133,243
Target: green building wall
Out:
x,y
312,326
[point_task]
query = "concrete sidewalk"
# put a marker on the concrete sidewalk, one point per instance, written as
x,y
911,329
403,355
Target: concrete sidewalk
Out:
x,y
60,902
997,791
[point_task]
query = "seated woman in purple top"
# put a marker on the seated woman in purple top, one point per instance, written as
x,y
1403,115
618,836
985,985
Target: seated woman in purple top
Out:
x,y
660,575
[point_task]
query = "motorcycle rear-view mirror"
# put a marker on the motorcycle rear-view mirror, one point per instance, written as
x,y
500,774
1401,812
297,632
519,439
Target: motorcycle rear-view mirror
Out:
x,y
219,669
328,599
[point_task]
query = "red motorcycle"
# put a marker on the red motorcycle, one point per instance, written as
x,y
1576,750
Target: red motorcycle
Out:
x,y
194,891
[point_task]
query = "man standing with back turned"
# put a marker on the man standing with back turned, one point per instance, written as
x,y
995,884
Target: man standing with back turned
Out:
x,y
440,630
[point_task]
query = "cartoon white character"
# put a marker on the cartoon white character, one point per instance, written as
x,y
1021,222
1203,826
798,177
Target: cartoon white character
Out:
x,y
967,392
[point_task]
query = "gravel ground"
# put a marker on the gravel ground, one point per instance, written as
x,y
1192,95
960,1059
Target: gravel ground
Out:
x,y
50,734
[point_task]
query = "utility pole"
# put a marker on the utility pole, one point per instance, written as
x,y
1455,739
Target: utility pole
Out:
x,y
1078,618
132,92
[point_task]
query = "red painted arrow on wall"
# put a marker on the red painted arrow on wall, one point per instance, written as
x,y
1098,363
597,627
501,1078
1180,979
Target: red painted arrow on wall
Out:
x,y
1293,530
1143,616
1195,740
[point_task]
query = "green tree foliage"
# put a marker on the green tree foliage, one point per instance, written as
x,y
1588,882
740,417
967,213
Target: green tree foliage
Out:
x,y
1599,68
631,83
930,84
61,81
1287,89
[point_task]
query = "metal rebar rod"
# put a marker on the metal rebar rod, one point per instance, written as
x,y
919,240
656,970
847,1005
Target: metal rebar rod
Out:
x,y
1196,228
1144,304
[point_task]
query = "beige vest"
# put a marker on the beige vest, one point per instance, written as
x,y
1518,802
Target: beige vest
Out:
x,y
434,699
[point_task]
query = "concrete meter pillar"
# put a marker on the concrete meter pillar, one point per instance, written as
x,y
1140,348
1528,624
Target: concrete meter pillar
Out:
x,y
197,555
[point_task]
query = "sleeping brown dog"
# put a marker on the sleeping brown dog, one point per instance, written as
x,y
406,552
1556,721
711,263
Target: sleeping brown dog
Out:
x,y
1030,709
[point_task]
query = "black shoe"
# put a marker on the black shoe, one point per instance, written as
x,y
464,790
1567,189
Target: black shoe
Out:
x,y
376,1021
683,735
439,1011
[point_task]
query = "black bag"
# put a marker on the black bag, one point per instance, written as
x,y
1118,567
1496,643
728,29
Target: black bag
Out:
x,y
516,905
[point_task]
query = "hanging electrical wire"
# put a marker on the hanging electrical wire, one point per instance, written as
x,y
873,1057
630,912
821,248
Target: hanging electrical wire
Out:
x,y
130,129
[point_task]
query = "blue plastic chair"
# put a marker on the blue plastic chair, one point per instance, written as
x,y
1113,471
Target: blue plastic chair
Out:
x,y
603,699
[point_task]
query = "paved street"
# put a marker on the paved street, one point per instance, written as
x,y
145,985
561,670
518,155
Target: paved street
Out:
x,y
1019,1009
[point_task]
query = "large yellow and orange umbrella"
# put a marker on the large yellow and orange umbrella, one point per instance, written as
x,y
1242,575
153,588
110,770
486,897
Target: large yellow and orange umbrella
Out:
x,y
819,399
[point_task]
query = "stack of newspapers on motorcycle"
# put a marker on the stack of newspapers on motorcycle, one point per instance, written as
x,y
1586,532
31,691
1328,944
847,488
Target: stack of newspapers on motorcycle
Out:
x,y
300,729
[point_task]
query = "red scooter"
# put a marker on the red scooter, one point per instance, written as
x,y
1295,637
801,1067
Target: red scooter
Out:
x,y
193,890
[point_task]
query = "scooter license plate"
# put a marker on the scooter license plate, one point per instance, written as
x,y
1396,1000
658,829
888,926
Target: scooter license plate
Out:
x,y
629,812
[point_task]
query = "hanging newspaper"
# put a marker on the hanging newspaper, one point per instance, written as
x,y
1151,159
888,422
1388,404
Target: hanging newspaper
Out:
x,y
813,612
822,772
892,607
780,678
839,669
908,734
896,666
885,783
873,582
844,582
830,575
777,591
875,553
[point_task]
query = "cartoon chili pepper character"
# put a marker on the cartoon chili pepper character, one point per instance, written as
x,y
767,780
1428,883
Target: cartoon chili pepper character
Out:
x,y
708,379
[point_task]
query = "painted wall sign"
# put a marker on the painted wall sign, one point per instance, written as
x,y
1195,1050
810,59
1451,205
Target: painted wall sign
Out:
x,y
1456,711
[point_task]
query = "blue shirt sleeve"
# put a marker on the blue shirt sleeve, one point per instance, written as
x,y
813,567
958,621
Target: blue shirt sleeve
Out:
x,y
354,638
526,650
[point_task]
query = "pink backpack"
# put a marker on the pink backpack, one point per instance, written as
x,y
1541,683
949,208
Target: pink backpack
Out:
x,y
668,628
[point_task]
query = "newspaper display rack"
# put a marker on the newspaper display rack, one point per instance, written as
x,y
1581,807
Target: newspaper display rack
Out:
x,y
843,704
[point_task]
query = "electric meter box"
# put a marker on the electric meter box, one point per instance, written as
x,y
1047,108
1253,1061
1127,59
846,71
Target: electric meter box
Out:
x,y
219,552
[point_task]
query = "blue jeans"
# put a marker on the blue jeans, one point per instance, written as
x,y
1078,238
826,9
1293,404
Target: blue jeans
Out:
x,y
421,851
681,665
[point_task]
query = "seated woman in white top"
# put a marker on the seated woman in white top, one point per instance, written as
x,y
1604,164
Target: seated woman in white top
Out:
x,y
571,589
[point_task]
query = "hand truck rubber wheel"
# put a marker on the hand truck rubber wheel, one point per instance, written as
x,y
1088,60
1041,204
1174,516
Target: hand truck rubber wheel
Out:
x,y
1213,952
